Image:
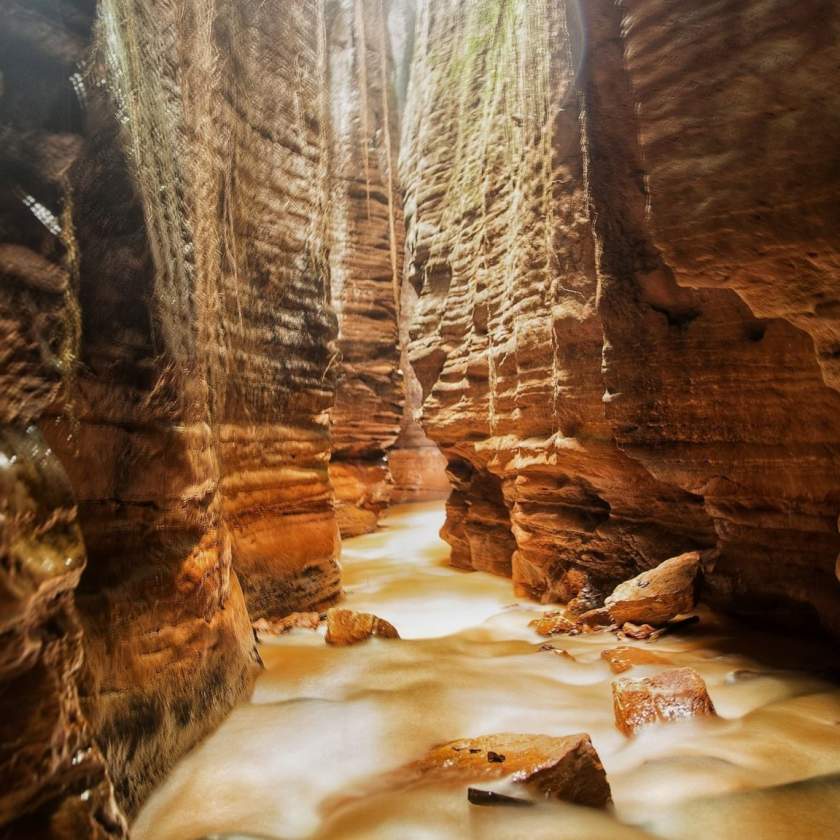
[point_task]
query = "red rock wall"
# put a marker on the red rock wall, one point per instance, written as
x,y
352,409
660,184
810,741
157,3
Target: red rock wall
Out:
x,y
365,259
53,778
719,251
183,302
418,467
598,417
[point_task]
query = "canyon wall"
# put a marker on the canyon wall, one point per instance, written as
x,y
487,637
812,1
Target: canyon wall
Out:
x,y
365,259
624,344
165,293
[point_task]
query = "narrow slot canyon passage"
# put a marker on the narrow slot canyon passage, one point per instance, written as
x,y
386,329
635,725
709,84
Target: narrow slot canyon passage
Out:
x,y
419,419
468,664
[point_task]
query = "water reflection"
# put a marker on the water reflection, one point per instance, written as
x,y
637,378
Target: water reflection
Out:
x,y
323,719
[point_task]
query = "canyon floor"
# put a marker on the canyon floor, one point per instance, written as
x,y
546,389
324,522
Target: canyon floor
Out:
x,y
292,762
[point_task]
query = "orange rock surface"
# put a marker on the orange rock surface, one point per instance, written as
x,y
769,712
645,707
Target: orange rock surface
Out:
x,y
622,659
673,695
566,768
627,351
346,627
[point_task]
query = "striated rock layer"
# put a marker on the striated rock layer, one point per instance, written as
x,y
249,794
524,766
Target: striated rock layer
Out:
x,y
365,260
418,467
598,415
163,257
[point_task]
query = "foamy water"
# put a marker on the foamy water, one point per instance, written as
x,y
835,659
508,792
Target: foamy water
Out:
x,y
322,720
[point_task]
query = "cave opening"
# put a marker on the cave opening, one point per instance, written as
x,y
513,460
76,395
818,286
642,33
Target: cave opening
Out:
x,y
420,419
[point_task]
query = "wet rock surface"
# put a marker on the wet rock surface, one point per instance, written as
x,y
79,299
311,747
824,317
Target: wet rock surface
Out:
x,y
53,777
295,621
553,623
622,659
565,768
678,694
345,627
365,260
658,595
590,437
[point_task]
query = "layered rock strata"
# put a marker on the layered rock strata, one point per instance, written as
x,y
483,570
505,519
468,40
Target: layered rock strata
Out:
x,y
365,259
507,341
52,775
600,416
718,245
164,256
418,467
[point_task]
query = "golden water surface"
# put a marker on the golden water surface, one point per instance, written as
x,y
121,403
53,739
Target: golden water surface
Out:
x,y
322,720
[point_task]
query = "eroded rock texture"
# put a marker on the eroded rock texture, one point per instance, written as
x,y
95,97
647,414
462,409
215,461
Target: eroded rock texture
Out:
x,y
365,259
507,339
52,776
191,259
717,389
418,467
598,415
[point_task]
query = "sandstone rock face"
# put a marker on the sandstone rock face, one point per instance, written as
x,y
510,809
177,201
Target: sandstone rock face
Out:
x,y
345,628
565,768
418,467
673,695
658,595
52,776
365,260
418,473
612,373
182,296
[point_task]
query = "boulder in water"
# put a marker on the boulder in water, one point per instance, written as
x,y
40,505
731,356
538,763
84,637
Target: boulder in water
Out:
x,y
345,627
566,768
657,595
672,695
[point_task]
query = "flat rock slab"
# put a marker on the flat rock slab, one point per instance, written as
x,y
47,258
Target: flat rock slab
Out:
x,y
673,695
566,768
345,627
622,659
658,595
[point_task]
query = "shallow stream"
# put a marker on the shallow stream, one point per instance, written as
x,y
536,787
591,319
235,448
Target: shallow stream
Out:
x,y
323,719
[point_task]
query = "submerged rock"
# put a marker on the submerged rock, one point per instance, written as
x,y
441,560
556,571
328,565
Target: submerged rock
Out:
x,y
297,620
345,627
673,695
658,595
552,623
566,768
622,659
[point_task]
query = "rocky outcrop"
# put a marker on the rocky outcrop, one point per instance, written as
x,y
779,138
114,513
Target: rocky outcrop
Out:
x,y
507,339
365,260
740,412
52,776
164,258
598,415
418,467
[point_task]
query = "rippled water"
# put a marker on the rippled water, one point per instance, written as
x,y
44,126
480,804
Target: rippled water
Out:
x,y
324,719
